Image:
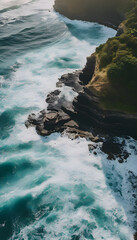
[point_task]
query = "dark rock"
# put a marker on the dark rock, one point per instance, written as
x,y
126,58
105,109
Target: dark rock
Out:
x,y
86,104
76,133
59,104
71,80
120,30
27,124
43,111
114,150
87,73
93,11
53,96
54,120
84,110
76,117
120,161
32,117
91,147
135,236
111,148
71,124
95,153
32,120
43,132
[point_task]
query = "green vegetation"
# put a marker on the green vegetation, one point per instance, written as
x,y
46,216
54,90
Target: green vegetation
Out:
x,y
119,58
118,106
115,78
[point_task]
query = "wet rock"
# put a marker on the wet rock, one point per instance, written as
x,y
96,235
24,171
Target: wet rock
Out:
x,y
88,71
91,147
120,160
135,236
53,96
111,148
43,132
32,117
27,124
115,150
54,120
84,110
71,80
74,133
32,120
61,116
71,124
95,153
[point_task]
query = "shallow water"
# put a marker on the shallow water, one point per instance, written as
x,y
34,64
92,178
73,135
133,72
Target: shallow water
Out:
x,y
52,188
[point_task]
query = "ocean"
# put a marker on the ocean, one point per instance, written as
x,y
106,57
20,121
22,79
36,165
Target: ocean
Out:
x,y
53,188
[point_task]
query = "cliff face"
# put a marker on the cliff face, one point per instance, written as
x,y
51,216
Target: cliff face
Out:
x,y
107,12
111,74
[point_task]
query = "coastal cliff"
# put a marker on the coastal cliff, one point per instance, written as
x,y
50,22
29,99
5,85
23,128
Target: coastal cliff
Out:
x,y
106,102
110,13
111,72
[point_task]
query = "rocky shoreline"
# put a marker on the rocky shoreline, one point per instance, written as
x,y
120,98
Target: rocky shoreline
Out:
x,y
83,113
82,117
61,115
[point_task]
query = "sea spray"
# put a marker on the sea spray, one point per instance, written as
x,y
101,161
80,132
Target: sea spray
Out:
x,y
11,3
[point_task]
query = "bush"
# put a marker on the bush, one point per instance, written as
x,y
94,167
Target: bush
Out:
x,y
124,69
105,59
114,73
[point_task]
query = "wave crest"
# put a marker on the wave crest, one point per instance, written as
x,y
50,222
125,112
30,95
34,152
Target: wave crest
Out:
x,y
10,3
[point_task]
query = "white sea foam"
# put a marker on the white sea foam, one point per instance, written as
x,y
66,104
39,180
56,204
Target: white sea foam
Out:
x,y
70,173
74,168
124,179
11,3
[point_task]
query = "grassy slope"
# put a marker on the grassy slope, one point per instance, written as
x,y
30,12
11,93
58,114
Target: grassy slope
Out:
x,y
117,68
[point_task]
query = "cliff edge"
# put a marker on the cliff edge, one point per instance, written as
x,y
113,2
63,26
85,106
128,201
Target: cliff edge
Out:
x,y
114,69
110,13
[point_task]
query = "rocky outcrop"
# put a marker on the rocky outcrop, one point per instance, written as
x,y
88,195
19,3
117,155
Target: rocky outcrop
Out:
x,y
135,236
60,115
77,117
87,73
89,102
115,150
87,107
106,71
83,118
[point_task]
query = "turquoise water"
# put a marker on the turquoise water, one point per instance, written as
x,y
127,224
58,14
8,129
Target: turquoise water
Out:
x,y
50,188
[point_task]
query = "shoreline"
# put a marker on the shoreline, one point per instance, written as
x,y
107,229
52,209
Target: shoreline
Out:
x,y
61,116
81,114
87,103
83,117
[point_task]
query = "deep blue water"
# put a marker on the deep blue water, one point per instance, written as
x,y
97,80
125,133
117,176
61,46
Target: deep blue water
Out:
x,y
51,188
